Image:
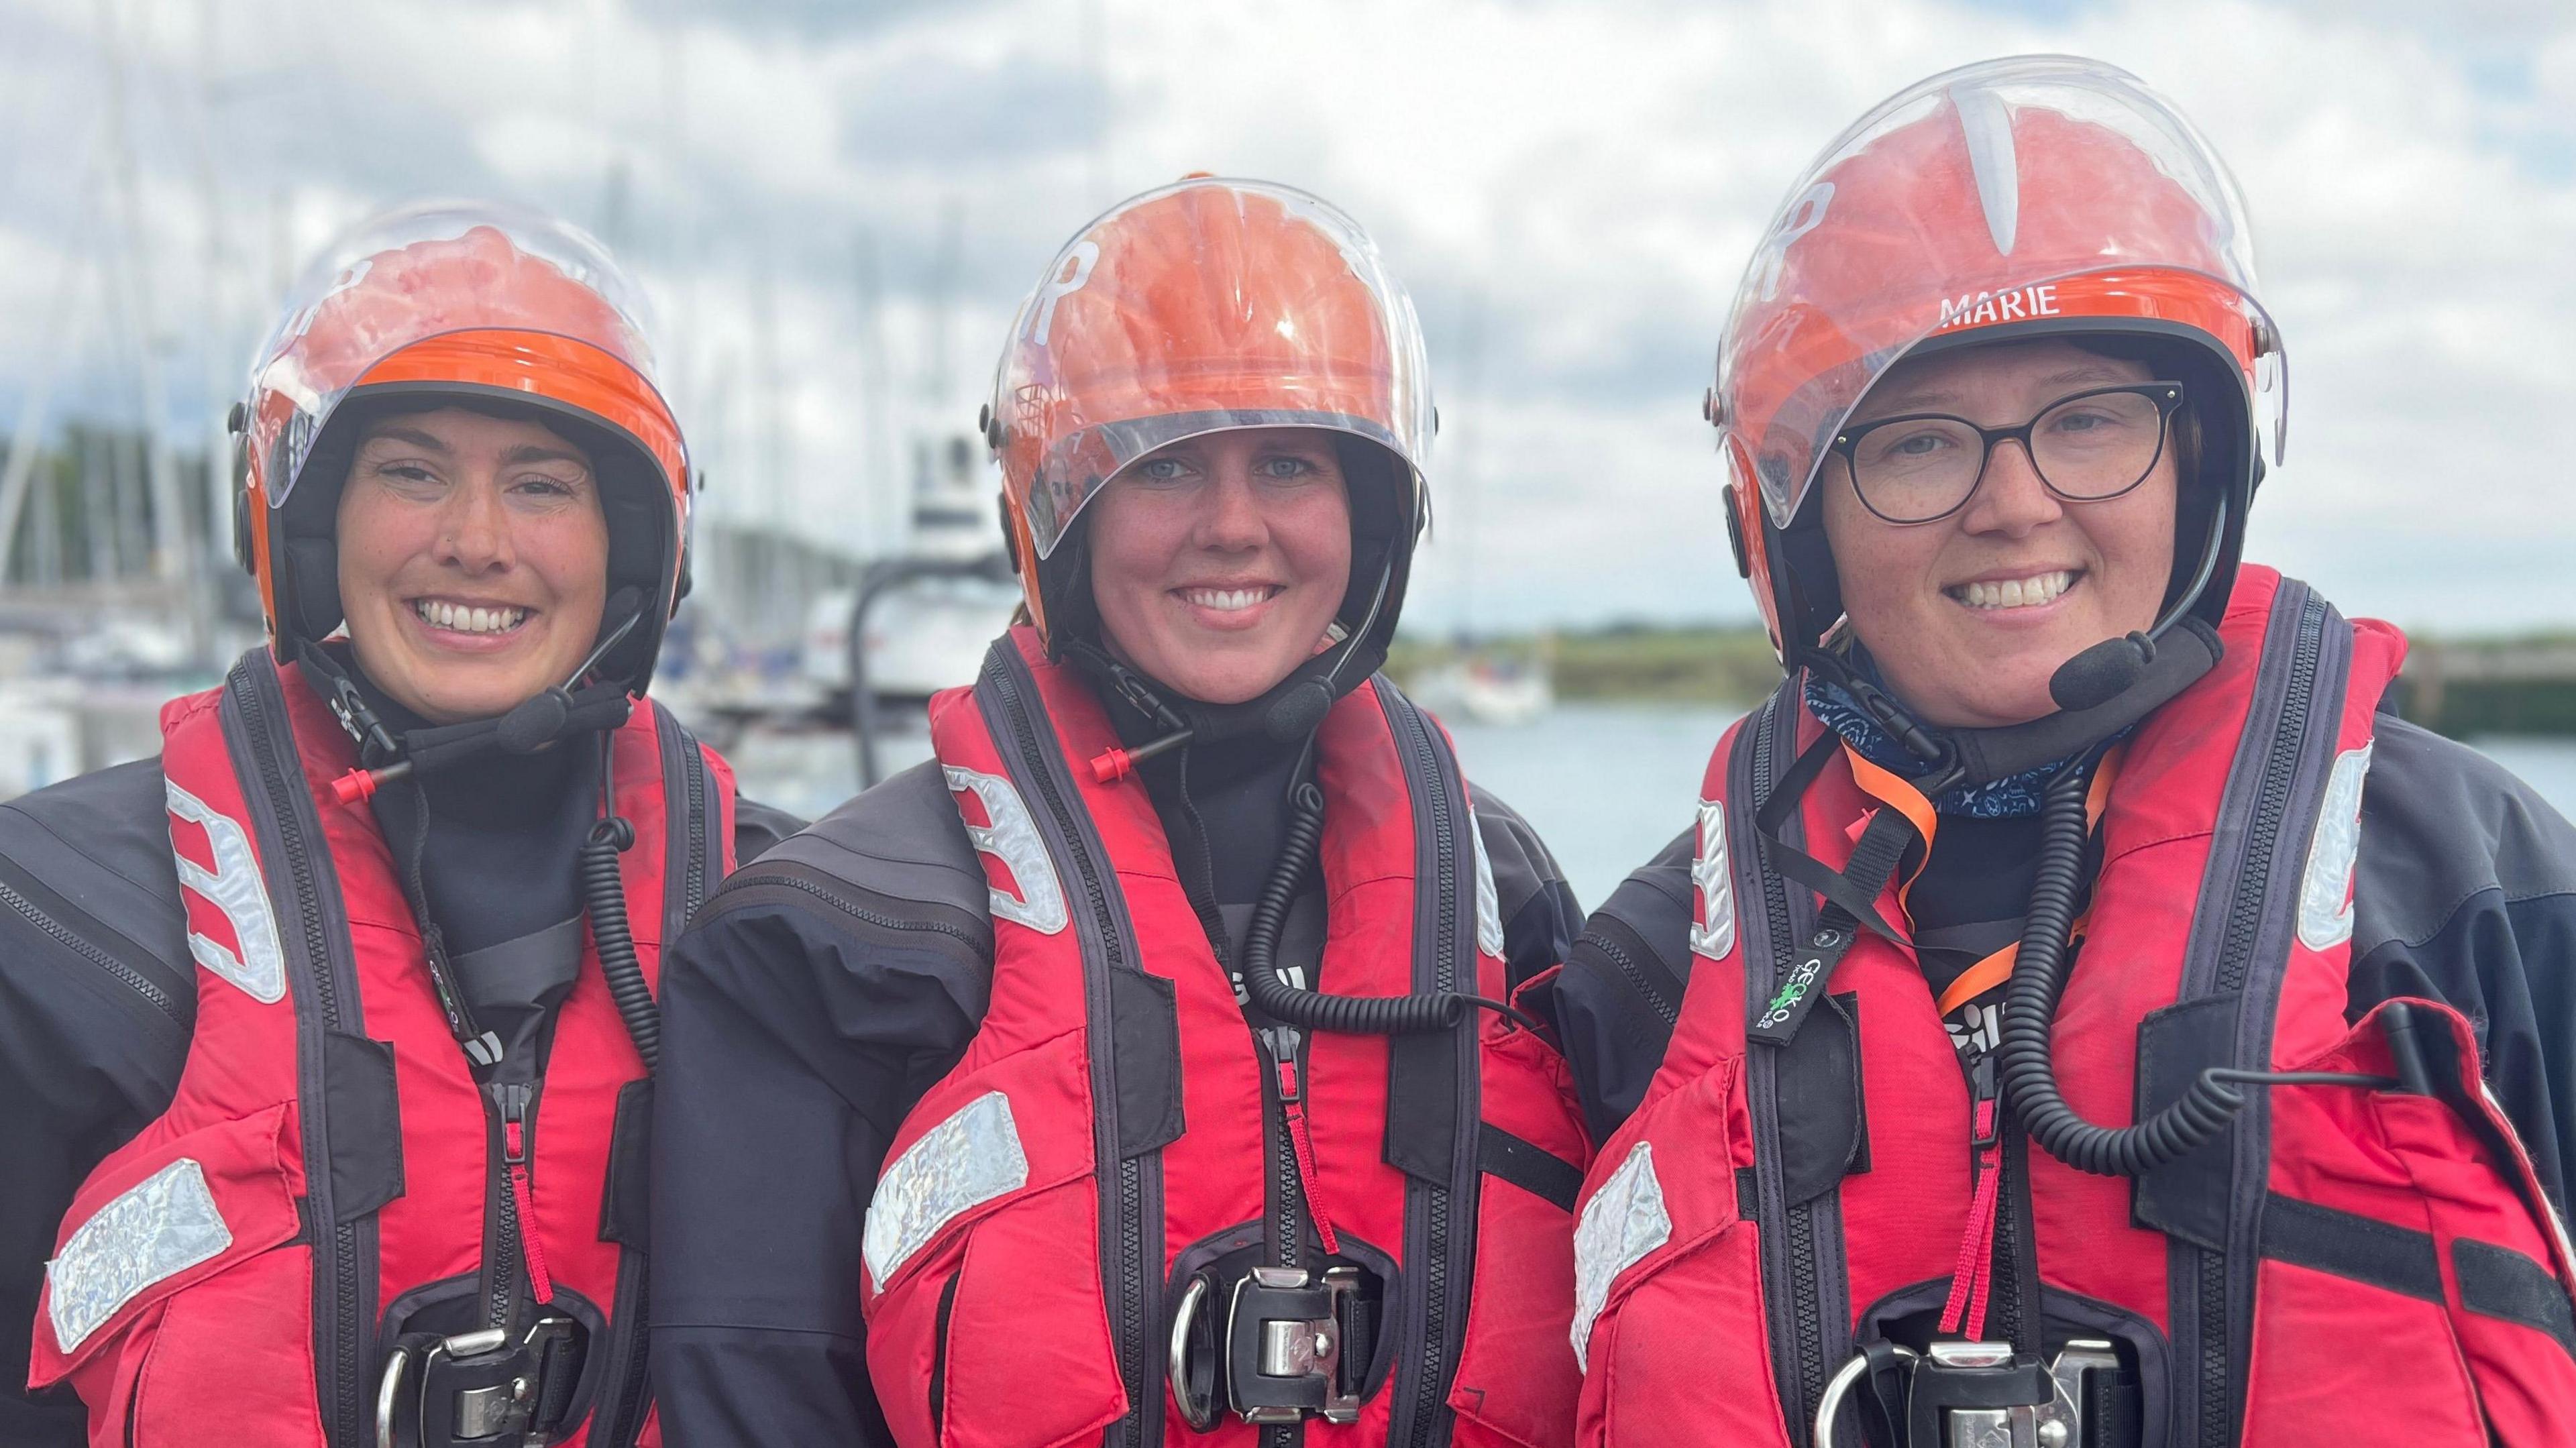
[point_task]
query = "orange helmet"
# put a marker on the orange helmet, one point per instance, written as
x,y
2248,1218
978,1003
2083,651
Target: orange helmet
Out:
x,y
1203,307
446,303
2016,198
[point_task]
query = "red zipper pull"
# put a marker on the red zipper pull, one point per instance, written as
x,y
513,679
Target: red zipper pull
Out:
x,y
1972,1276
1293,1107
514,1157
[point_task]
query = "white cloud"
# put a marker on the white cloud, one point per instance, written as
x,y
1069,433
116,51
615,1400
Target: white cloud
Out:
x,y
1584,177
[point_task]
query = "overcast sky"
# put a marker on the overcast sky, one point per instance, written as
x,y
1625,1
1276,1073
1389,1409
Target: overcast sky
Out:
x,y
1569,187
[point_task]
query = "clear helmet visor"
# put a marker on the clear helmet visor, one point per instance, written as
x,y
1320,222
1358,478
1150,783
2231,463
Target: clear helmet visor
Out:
x,y
1208,306
485,296
2042,190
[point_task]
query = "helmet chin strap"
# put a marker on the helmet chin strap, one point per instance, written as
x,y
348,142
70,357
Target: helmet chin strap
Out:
x,y
1297,704
534,723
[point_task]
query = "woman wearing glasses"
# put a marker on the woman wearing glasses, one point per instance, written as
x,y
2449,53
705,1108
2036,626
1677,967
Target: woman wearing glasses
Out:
x,y
2104,1025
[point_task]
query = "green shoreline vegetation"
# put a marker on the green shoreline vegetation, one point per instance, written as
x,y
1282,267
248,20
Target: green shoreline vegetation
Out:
x,y
2522,684
1654,663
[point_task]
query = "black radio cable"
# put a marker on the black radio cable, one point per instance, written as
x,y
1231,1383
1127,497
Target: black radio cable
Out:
x,y
2030,1016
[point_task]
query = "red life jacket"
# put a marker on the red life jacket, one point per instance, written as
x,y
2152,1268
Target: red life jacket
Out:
x,y
327,1161
2344,1265
1114,1126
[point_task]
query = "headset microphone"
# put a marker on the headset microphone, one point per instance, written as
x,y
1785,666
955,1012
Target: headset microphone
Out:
x,y
534,724
2101,673
2106,670
1295,714
538,721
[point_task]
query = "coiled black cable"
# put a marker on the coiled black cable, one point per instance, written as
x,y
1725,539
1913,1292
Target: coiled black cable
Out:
x,y
1403,1015
2030,1017
604,894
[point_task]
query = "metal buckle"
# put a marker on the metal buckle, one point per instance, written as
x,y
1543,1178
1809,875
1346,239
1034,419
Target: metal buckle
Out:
x,y
1977,1395
1191,1359
1284,1346
471,1387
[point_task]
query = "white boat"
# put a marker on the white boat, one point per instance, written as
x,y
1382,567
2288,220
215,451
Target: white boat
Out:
x,y
1486,689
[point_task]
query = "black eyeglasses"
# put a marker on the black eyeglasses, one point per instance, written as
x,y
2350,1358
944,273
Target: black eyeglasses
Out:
x,y
2086,447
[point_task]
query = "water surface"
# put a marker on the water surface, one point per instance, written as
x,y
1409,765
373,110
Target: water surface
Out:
x,y
1607,785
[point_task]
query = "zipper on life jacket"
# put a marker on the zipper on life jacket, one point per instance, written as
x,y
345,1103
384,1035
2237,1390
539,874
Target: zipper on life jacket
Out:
x,y
616,1425
508,1108
1804,1370
344,1400
2217,1428
693,768
1989,1242
1430,1393
1127,1285
1278,1049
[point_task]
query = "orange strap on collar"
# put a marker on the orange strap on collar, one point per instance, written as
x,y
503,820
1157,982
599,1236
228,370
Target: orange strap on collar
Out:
x,y
1995,969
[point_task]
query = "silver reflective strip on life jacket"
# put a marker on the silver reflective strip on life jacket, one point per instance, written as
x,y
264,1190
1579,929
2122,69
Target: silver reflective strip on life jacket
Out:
x,y
159,1227
2325,891
234,887
1714,935
1013,839
1489,909
956,1166
1623,1222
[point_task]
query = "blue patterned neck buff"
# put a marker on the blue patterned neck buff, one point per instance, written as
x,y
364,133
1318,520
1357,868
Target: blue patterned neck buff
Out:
x,y
2013,797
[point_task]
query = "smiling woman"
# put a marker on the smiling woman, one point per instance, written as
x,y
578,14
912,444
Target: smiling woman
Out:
x,y
1976,560
1213,428
1218,560
2067,845
473,559
433,821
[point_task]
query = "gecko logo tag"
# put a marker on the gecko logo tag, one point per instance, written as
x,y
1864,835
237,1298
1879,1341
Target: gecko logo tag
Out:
x,y
235,889
1801,980
1787,1006
1012,838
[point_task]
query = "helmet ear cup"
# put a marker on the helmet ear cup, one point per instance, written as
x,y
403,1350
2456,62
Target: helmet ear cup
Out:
x,y
243,547
1802,568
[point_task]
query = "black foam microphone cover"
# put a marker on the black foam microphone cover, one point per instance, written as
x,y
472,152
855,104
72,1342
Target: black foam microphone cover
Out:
x,y
1296,713
536,723
2101,673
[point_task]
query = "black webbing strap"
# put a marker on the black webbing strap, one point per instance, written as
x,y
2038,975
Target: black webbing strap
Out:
x,y
1850,894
